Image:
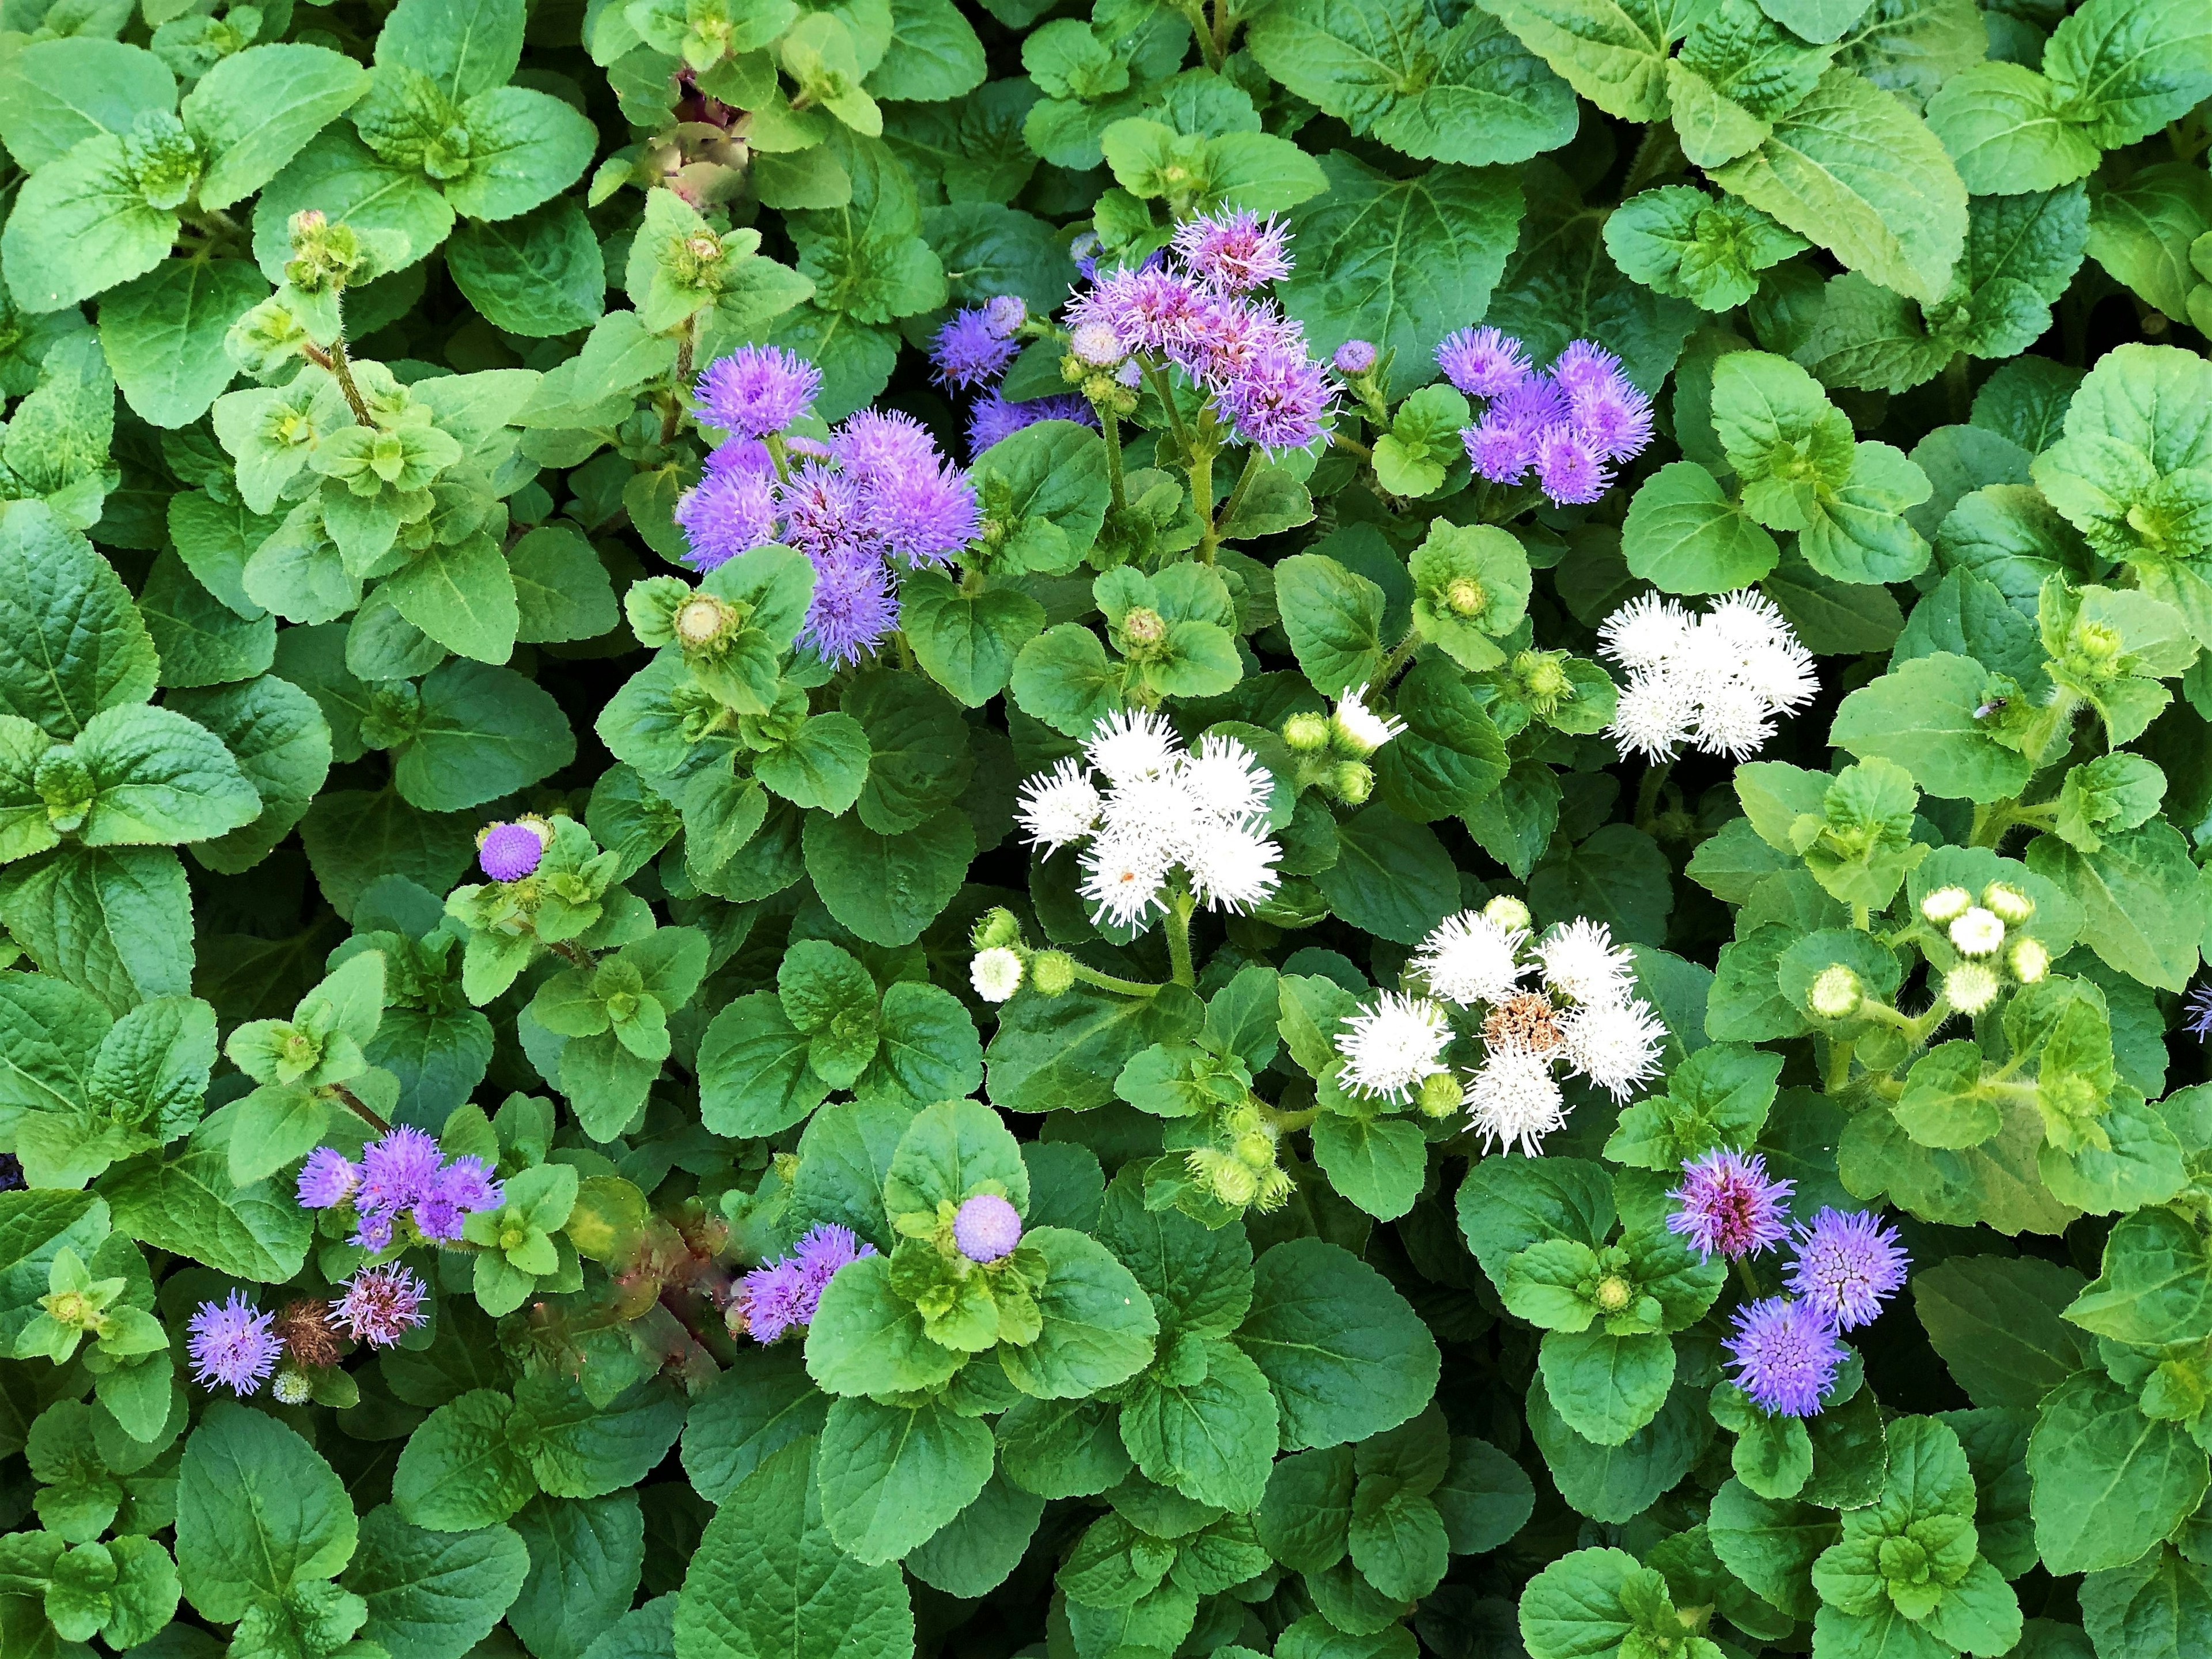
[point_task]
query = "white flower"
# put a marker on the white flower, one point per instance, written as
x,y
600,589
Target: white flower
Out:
x,y
996,974
1157,810
1132,744
1582,963
1745,622
1362,728
1515,1101
1471,958
2030,959
1226,778
1977,933
1648,632
1946,904
1654,718
1232,866
1782,675
1614,1044
1122,876
1389,1048
1733,720
1058,807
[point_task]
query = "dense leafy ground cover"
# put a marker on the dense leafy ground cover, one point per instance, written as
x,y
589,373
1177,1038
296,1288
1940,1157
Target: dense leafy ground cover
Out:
x,y
1320,829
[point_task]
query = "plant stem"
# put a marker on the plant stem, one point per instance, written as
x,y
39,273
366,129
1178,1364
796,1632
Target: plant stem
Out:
x,y
1647,793
342,368
1253,462
1400,654
1746,1278
1838,1073
1201,501
1127,987
361,1109
1156,375
1179,905
1109,424
1957,386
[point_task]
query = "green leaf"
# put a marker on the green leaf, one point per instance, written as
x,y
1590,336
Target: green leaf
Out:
x,y
163,335
867,1340
1391,879
1921,715
460,1470
81,225
115,920
2153,1289
537,275
158,777
1345,1356
967,643
67,88
887,889
253,110
484,732
259,1512
890,1476
562,589
460,594
1685,536
1098,1326
756,1407
1377,1164
1612,51
1681,241
2145,906
585,1559
2109,1481
70,642
349,184
1606,1387
432,1595
1064,1052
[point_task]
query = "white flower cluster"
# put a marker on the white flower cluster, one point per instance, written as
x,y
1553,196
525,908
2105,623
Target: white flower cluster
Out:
x,y
1161,808
1715,682
1583,1014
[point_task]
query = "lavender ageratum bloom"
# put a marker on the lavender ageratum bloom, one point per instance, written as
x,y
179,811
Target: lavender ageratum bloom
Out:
x,y
1483,363
923,515
1783,1355
985,1228
1223,337
1613,417
1848,1264
232,1344
1233,251
1729,1204
821,509
1568,468
398,1171
381,1304
824,1248
969,351
755,390
853,605
327,1178
2197,1011
1584,364
1502,445
728,512
1279,401
456,1191
771,1295
1148,308
1005,313
1353,357
994,419
508,852
879,442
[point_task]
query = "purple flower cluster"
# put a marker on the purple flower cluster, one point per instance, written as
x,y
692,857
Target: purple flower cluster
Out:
x,y
976,345
1786,1351
780,1294
381,1304
401,1174
1785,1356
508,852
993,417
1848,1265
2196,1012
1571,424
985,1228
878,495
233,1344
1727,1204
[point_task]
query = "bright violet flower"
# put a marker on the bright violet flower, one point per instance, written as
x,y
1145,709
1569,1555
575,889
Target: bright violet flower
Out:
x,y
985,1228
1483,363
757,390
994,419
1785,1356
970,351
781,1295
730,510
1730,1205
232,1343
508,852
1848,1265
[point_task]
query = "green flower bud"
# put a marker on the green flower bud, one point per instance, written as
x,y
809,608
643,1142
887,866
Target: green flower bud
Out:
x,y
996,927
1306,734
1508,913
1440,1095
1052,973
1946,904
1836,993
1614,1293
1971,986
2030,961
2008,902
1464,596
1351,782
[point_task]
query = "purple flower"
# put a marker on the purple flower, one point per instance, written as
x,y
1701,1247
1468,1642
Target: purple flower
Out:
x,y
757,390
232,1344
1567,467
328,1177
969,351
462,1187
1584,364
1483,363
1729,1205
1223,337
381,1304
853,607
508,852
1611,415
2198,1011
877,443
993,418
821,509
745,455
1084,250
1785,1356
1148,308
1005,313
771,1295
1096,345
1502,445
1278,402
1848,1264
1353,357
986,1227
825,1248
923,515
397,1171
372,1231
1234,251
728,512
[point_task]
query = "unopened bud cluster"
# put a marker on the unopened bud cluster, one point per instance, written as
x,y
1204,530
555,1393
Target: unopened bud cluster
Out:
x,y
1333,751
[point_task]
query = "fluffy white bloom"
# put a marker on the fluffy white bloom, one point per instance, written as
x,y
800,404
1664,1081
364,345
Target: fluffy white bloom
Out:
x,y
1132,744
1614,1044
1714,682
1122,876
1058,807
1389,1048
1582,963
1226,778
1471,958
1231,865
996,974
1977,933
1361,728
1515,1101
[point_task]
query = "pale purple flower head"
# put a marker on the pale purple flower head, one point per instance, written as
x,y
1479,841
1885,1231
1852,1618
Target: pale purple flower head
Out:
x,y
1279,401
327,1178
381,1304
821,509
925,515
1783,1355
232,1344
986,1227
1148,307
1584,364
1848,1264
994,419
877,443
1234,251
745,455
373,1230
728,512
1005,313
1729,1204
508,852
1353,357
1223,337
398,1171
457,1191
771,1295
1613,417
1084,250
1567,466
755,390
1502,445
1483,363
2197,1011
825,1248
853,607
969,351
1096,345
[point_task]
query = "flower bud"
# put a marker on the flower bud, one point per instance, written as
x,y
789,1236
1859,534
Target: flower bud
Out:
x,y
1306,734
1234,1183
1351,783
1354,357
1970,988
1464,596
701,621
1977,933
2009,902
1946,904
995,926
1836,993
1508,913
292,1387
985,1228
2030,961
996,974
1614,1293
1144,629
1096,345
1440,1095
1256,1148
1052,973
